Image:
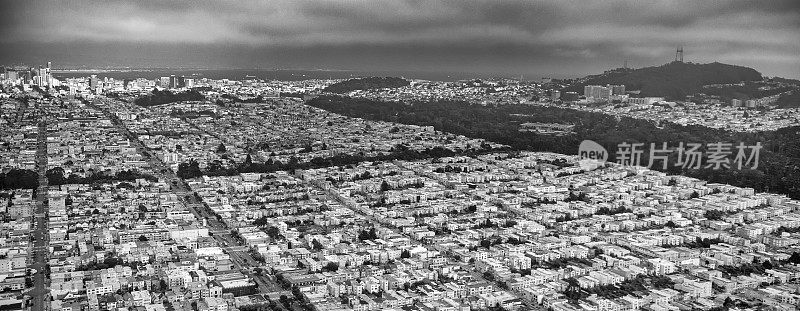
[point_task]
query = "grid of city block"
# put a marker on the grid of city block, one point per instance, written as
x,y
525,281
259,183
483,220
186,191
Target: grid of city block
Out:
x,y
663,184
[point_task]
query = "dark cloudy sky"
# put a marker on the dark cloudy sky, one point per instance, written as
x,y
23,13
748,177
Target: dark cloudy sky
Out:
x,y
559,37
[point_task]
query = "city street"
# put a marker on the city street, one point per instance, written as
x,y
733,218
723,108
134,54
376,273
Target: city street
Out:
x,y
402,155
221,233
40,292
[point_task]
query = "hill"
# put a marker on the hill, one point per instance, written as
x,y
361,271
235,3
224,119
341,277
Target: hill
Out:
x,y
366,84
673,80
789,100
165,97
745,91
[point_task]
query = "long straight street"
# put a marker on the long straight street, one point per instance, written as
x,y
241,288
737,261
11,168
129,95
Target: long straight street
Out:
x,y
220,231
40,292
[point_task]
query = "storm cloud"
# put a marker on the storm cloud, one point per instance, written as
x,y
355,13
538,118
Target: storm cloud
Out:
x,y
562,38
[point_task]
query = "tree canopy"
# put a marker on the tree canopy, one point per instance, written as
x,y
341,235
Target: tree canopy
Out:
x,y
158,97
19,179
778,170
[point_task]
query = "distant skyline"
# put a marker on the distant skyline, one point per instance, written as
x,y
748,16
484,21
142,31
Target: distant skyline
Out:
x,y
565,38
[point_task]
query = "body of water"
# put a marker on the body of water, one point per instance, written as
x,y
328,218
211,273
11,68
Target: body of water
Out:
x,y
284,75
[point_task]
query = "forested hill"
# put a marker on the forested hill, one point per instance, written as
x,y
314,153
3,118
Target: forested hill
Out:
x,y
366,84
165,97
674,80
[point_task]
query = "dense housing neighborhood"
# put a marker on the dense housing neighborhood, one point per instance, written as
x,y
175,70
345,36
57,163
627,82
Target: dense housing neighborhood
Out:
x,y
250,200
